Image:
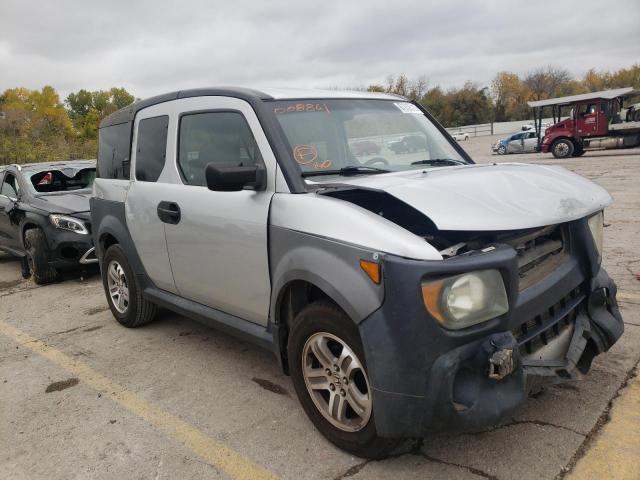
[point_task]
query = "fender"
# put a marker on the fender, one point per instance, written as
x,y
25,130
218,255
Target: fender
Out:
x,y
108,218
31,218
331,266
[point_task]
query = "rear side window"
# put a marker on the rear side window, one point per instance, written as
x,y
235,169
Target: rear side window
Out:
x,y
113,151
151,148
10,186
214,137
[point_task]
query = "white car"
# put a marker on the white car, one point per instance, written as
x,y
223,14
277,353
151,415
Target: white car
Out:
x,y
459,136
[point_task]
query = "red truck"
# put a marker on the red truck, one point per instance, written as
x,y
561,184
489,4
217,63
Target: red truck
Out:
x,y
596,121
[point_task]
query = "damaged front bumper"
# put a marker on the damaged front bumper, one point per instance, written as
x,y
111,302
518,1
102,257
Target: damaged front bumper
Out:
x,y
69,249
424,378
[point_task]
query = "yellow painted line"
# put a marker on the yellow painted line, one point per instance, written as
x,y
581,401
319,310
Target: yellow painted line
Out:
x,y
212,451
628,296
615,452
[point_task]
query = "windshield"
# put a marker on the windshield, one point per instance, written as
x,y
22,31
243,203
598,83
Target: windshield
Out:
x,y
64,180
371,136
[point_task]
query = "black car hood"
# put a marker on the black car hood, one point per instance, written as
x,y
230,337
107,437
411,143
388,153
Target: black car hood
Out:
x,y
71,202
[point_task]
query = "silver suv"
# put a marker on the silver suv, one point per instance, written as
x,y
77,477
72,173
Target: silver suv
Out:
x,y
403,291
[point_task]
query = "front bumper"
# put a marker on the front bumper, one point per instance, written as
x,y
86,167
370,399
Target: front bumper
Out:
x,y
424,378
69,249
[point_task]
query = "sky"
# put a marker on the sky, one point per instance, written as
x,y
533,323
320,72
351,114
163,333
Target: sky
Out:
x,y
152,47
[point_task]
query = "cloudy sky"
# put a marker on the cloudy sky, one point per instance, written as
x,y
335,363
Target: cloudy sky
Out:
x,y
151,47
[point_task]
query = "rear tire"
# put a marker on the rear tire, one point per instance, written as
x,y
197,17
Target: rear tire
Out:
x,y
562,148
124,295
322,327
37,249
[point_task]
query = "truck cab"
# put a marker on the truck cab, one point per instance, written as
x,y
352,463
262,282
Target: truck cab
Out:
x,y
596,121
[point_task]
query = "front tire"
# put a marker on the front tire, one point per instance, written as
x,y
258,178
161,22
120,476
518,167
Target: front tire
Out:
x,y
502,150
37,249
329,374
562,148
124,295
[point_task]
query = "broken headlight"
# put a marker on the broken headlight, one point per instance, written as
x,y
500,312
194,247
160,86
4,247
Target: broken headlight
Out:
x,y
69,223
464,300
596,225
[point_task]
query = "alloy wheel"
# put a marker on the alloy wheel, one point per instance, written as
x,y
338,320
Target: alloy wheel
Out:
x,y
336,382
118,286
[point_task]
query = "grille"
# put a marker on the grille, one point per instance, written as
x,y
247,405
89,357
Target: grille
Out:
x,y
542,329
539,253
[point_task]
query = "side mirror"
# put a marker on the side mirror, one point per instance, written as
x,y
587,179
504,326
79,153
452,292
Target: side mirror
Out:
x,y
233,178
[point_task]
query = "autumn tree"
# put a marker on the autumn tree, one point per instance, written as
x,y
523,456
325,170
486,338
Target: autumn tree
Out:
x,y
33,126
36,127
510,95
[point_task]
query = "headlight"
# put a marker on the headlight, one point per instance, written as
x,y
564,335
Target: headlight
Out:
x,y
464,300
69,223
596,225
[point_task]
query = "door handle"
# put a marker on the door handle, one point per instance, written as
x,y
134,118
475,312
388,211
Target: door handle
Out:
x,y
169,212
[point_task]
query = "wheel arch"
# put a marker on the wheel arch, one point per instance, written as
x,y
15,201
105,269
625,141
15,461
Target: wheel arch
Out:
x,y
30,222
109,228
563,137
291,299
306,268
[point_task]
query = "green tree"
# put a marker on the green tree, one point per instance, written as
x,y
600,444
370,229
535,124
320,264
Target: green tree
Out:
x,y
436,102
87,109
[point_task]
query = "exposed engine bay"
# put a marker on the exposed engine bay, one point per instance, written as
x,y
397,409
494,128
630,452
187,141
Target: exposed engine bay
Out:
x,y
540,250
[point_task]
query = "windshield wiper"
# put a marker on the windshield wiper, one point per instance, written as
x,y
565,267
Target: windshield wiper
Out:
x,y
439,161
346,171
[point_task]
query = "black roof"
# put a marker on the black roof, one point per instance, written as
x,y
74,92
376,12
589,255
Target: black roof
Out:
x,y
128,113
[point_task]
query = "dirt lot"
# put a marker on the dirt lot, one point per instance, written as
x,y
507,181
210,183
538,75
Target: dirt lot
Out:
x,y
82,397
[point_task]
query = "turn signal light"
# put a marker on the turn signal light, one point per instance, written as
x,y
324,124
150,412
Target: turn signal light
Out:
x,y
372,269
431,297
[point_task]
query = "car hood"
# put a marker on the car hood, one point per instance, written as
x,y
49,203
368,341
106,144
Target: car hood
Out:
x,y
491,197
72,202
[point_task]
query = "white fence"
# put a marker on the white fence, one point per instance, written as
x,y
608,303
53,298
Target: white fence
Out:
x,y
495,128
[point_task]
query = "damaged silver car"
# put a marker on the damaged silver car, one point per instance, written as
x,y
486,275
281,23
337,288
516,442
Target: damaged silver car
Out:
x,y
404,290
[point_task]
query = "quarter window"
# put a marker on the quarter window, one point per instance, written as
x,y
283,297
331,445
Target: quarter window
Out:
x,y
10,186
214,137
113,151
151,148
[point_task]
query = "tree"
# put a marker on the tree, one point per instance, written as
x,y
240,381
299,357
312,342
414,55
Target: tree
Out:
x,y
510,95
36,127
594,81
469,105
376,88
625,77
550,82
436,102
33,126
87,109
